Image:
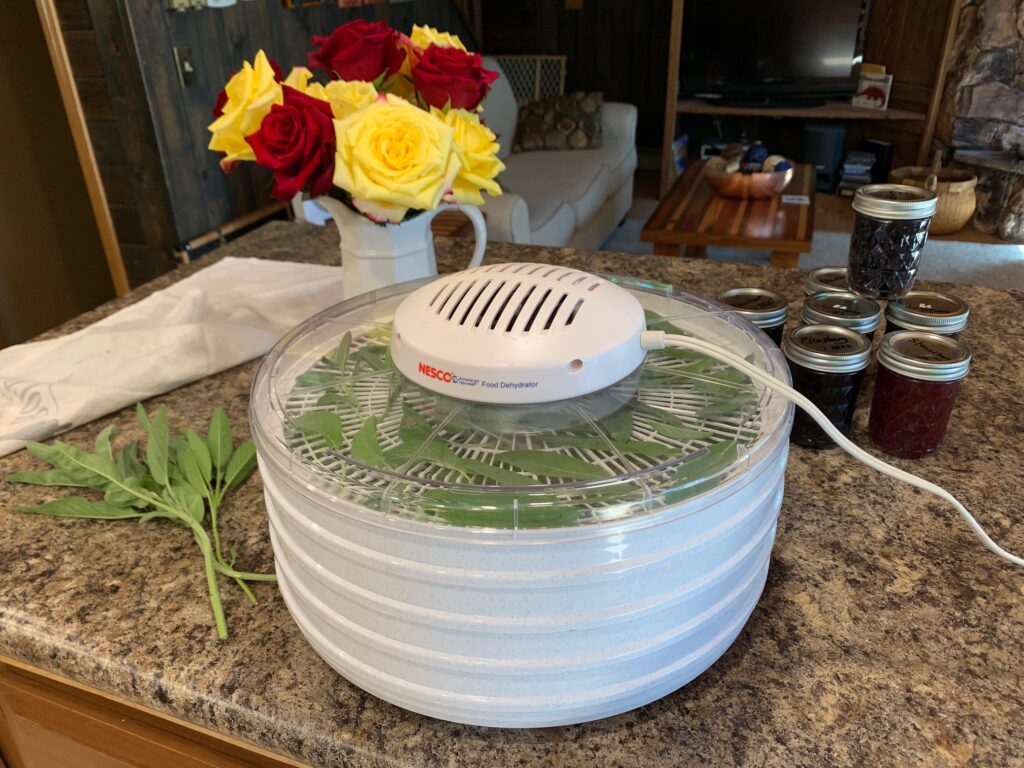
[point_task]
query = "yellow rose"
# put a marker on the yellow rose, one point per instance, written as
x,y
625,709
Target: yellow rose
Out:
x,y
251,93
392,157
477,148
424,36
300,79
348,96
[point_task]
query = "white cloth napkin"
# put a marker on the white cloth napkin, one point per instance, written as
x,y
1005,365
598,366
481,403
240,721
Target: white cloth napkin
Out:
x,y
221,316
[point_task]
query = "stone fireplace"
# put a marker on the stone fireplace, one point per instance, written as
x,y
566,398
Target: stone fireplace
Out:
x,y
982,111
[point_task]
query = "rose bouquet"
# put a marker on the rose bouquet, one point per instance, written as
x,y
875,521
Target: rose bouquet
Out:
x,y
394,131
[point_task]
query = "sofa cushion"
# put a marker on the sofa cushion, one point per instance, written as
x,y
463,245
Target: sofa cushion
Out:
x,y
574,177
500,109
551,221
566,121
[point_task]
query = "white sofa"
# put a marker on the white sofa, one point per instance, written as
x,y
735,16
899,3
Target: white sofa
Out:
x,y
573,198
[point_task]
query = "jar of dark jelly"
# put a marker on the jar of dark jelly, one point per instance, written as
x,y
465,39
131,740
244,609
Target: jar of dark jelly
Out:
x,y
927,311
847,310
918,378
766,309
825,280
827,363
890,227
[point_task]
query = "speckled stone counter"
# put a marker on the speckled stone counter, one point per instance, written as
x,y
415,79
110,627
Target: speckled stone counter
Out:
x,y
886,635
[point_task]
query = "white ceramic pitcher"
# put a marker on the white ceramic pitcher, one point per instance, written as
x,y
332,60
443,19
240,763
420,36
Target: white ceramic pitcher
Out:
x,y
375,255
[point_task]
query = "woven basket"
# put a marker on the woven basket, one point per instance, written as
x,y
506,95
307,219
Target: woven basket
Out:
x,y
955,190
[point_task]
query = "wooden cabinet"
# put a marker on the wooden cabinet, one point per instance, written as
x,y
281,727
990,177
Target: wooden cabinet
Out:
x,y
49,723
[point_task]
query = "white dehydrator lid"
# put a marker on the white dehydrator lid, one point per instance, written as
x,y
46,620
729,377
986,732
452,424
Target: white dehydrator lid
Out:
x,y
331,411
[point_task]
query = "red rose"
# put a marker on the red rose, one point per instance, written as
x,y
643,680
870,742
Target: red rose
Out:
x,y
296,142
222,97
358,50
448,74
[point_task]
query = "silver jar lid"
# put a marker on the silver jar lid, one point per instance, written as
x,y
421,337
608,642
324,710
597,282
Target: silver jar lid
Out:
x,y
925,356
825,279
827,348
929,311
896,202
844,309
762,307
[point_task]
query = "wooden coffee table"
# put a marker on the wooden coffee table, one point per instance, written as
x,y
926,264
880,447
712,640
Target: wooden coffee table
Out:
x,y
692,216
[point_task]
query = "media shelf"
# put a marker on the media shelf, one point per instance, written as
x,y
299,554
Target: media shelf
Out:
x,y
838,110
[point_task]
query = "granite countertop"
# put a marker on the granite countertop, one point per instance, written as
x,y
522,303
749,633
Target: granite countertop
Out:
x,y
886,635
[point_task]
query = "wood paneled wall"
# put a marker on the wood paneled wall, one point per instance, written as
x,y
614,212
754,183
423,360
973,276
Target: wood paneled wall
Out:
x,y
109,86
616,46
910,38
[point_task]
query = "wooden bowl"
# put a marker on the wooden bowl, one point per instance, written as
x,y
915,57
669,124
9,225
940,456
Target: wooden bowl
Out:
x,y
750,186
955,190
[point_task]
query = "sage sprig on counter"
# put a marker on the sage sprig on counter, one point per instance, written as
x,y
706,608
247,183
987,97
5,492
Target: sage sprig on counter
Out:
x,y
177,477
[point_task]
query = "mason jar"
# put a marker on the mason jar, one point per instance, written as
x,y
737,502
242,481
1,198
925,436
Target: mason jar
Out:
x,y
766,309
928,311
847,310
890,226
827,363
918,378
824,280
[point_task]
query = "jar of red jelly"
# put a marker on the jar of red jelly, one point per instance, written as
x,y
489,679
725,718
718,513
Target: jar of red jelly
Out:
x,y
847,310
928,311
766,309
918,378
827,363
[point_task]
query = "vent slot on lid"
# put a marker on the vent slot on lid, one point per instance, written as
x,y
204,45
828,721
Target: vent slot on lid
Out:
x,y
497,315
448,296
536,310
472,303
487,304
519,308
462,298
558,306
572,315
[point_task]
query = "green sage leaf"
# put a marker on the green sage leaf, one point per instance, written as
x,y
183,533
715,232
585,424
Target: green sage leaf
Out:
x,y
76,506
691,477
128,464
189,466
365,447
241,464
374,356
339,356
317,378
103,447
619,425
322,424
49,477
201,452
218,439
157,446
333,397
546,464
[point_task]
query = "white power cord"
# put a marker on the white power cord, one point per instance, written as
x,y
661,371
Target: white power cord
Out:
x,y
659,340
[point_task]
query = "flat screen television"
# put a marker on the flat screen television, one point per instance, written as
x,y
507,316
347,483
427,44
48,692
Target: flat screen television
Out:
x,y
765,51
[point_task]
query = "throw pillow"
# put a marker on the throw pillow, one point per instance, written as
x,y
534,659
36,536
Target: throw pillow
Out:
x,y
570,121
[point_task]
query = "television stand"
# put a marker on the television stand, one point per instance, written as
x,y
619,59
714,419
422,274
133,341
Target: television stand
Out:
x,y
769,102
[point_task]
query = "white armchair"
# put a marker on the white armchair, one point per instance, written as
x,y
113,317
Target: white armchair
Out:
x,y
572,198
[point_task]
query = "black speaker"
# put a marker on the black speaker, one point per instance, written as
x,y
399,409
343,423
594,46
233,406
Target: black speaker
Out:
x,y
823,147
